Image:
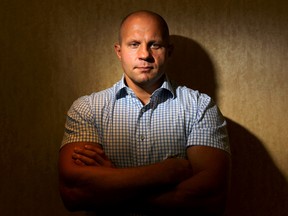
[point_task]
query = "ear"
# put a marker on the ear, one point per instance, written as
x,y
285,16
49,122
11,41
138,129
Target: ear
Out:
x,y
117,49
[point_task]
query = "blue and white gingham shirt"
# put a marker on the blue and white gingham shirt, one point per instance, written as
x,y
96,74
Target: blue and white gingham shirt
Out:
x,y
133,134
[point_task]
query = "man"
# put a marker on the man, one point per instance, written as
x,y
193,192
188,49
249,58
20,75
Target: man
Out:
x,y
144,145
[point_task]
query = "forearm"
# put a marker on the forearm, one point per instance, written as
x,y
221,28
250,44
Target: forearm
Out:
x,y
86,186
194,196
205,192
167,186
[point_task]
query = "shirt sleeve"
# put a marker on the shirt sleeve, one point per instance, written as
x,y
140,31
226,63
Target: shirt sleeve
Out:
x,y
208,128
80,123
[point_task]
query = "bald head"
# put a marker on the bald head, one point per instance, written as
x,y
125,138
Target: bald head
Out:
x,y
143,14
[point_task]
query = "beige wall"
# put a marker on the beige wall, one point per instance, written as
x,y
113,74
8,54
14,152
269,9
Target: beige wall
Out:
x,y
52,52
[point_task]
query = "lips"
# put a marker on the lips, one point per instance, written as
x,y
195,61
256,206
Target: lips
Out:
x,y
144,68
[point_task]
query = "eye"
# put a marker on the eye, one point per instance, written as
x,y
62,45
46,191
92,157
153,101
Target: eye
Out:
x,y
156,46
133,45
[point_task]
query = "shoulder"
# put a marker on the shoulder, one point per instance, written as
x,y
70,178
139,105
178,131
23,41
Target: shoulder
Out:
x,y
95,99
89,105
189,97
199,106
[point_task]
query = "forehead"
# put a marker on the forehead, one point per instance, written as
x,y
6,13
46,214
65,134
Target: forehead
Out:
x,y
140,25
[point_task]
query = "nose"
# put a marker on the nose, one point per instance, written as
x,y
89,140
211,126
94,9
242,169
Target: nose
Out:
x,y
144,52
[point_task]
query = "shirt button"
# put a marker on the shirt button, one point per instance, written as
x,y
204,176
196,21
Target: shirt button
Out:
x,y
142,137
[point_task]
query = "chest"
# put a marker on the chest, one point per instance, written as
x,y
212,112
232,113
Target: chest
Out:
x,y
135,135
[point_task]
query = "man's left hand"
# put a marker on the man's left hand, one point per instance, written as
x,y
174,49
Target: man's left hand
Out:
x,y
91,155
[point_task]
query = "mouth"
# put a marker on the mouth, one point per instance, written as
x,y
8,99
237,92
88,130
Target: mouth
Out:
x,y
144,68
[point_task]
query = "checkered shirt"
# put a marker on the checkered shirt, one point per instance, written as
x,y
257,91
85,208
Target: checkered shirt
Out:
x,y
133,134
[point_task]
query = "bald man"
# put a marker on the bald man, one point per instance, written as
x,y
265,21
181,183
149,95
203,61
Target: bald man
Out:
x,y
144,146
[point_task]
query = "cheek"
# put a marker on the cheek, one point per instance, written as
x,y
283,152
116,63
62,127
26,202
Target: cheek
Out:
x,y
160,60
160,56
127,57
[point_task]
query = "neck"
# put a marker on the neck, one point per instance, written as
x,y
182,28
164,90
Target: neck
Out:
x,y
144,91
143,96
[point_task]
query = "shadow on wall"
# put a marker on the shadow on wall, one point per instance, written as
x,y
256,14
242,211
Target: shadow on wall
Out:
x,y
257,186
190,65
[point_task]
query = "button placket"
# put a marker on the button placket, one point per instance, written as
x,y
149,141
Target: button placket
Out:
x,y
142,133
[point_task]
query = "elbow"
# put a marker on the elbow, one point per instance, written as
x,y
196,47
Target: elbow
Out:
x,y
70,199
217,204
204,204
77,199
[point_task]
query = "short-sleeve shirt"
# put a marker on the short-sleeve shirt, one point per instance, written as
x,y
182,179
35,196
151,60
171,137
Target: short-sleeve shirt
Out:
x,y
133,134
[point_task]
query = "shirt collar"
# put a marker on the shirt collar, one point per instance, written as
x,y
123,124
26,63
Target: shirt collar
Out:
x,y
168,86
121,89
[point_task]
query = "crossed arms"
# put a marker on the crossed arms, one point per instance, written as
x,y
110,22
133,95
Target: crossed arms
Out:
x,y
89,181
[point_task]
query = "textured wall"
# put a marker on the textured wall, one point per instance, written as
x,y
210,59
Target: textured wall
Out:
x,y
54,51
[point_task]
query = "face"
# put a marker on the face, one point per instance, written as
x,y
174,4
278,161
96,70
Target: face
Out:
x,y
143,52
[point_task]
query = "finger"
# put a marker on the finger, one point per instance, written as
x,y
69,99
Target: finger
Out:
x,y
95,148
103,160
79,162
85,160
91,154
98,149
95,153
108,163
